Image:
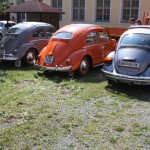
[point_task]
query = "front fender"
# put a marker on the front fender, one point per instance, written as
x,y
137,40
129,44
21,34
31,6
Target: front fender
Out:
x,y
23,48
75,58
110,66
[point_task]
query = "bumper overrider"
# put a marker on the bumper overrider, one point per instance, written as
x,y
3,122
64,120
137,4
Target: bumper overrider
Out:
x,y
4,56
126,79
56,68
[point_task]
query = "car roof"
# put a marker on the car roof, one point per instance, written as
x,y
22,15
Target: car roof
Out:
x,y
25,25
80,28
84,25
145,29
4,21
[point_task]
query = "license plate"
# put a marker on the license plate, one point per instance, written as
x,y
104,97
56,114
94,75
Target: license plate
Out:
x,y
129,64
49,59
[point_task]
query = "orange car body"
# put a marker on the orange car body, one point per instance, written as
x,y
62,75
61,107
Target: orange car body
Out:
x,y
72,43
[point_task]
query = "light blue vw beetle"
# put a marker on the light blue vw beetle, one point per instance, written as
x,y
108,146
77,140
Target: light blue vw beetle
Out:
x,y
130,63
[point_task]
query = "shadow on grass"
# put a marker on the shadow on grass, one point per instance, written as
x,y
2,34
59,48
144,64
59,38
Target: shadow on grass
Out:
x,y
94,76
10,65
140,92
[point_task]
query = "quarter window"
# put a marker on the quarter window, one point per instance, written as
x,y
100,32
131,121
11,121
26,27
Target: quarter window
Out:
x,y
39,33
130,10
103,10
58,5
92,37
103,35
78,11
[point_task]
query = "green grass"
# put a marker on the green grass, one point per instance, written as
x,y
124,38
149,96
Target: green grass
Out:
x,y
58,113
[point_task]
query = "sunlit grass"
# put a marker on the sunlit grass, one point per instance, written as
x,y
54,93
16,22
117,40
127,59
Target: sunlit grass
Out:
x,y
49,112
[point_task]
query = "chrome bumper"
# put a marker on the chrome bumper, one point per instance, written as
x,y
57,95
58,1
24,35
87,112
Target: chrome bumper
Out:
x,y
126,79
8,57
56,68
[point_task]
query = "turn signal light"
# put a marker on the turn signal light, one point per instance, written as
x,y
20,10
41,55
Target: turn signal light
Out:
x,y
108,60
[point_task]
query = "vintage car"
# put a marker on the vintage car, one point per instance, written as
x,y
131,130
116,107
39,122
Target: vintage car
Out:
x,y
4,25
24,41
76,48
130,63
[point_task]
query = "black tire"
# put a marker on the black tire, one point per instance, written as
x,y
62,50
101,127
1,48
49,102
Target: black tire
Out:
x,y
30,57
84,67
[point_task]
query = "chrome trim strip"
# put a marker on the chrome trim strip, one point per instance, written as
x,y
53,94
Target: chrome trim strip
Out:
x,y
126,78
56,68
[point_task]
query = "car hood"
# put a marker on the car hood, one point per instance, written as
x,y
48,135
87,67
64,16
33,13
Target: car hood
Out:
x,y
58,49
132,60
9,43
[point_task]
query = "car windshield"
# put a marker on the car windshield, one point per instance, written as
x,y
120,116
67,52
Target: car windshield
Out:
x,y
136,39
14,31
63,35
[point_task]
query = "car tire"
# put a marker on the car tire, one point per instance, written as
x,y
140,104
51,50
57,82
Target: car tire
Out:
x,y
30,57
84,67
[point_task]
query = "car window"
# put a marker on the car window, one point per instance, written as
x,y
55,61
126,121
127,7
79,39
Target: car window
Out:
x,y
39,33
14,31
1,24
63,35
92,37
136,39
50,32
103,35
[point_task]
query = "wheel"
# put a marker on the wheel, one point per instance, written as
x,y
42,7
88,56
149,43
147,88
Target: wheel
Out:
x,y
84,67
30,57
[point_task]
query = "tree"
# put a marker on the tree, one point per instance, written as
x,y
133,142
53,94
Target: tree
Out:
x,y
4,4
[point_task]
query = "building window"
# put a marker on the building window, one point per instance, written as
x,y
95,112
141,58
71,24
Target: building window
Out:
x,y
58,5
103,10
78,11
130,10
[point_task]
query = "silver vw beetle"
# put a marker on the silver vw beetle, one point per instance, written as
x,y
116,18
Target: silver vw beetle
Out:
x,y
23,42
130,63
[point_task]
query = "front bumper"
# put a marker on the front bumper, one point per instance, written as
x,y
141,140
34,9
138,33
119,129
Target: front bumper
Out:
x,y
8,57
56,68
126,79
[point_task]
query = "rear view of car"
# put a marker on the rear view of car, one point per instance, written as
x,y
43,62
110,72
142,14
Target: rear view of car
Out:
x,y
131,61
23,42
76,48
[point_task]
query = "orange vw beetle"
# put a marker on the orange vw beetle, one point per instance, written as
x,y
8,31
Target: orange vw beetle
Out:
x,y
76,48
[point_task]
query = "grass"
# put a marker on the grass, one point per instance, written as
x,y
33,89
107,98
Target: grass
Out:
x,y
58,113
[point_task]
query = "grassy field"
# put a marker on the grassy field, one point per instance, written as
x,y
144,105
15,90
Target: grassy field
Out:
x,y
55,112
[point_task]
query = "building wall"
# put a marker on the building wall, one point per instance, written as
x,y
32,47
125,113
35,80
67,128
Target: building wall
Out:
x,y
90,6
116,10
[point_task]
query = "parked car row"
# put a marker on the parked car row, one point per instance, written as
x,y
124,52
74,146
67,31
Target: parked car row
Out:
x,y
77,48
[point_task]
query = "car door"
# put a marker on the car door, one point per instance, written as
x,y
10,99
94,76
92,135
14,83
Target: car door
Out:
x,y
106,44
92,45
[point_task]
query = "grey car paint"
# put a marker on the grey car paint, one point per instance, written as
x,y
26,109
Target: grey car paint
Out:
x,y
22,38
131,62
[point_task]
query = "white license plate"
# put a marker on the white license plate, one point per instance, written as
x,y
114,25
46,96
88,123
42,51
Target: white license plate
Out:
x,y
129,64
49,59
